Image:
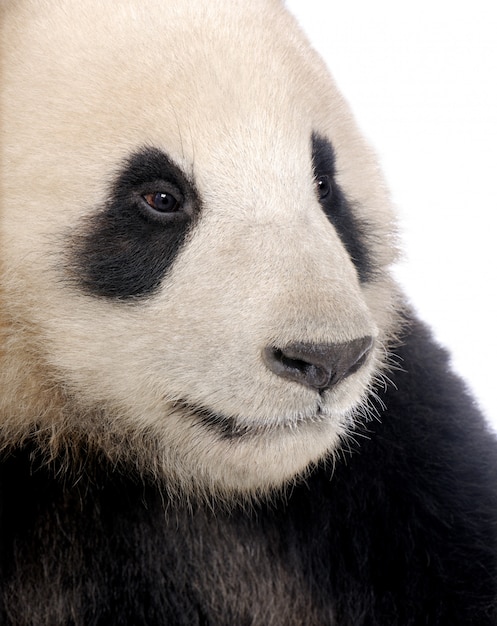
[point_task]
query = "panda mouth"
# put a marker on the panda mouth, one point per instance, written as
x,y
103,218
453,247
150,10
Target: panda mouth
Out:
x,y
228,427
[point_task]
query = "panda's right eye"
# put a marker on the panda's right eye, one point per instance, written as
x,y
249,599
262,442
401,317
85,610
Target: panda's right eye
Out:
x,y
163,202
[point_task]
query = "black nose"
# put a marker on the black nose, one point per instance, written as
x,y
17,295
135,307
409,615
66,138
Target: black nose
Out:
x,y
319,366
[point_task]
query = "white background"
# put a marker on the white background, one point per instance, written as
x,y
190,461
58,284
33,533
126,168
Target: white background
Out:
x,y
422,81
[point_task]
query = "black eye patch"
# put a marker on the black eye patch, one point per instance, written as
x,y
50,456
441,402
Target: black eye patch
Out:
x,y
125,249
337,208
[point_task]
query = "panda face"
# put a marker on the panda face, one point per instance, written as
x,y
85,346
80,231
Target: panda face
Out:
x,y
194,242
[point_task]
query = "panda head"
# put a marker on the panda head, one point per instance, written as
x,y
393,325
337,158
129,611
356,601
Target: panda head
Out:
x,y
194,242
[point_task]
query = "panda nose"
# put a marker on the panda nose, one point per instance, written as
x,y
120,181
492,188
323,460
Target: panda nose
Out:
x,y
319,366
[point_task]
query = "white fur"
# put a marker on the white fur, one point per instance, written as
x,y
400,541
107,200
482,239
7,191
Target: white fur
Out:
x,y
232,92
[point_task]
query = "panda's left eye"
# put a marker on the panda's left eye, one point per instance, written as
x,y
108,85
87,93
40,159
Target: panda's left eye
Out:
x,y
323,186
163,202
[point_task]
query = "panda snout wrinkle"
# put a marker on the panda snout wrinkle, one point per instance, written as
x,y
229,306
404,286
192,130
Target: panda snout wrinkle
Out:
x,y
318,366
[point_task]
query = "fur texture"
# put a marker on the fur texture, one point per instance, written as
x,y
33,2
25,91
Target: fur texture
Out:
x,y
185,193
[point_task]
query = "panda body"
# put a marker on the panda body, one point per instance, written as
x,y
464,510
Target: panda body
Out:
x,y
215,405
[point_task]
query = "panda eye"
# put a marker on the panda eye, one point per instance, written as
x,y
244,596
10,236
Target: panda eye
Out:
x,y
163,202
323,186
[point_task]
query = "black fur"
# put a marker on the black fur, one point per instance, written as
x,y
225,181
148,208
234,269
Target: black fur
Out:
x,y
125,250
404,533
338,209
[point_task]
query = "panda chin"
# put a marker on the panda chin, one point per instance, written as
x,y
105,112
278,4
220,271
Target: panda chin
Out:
x,y
230,427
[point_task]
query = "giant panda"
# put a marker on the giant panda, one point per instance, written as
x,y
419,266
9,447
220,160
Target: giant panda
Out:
x,y
216,405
